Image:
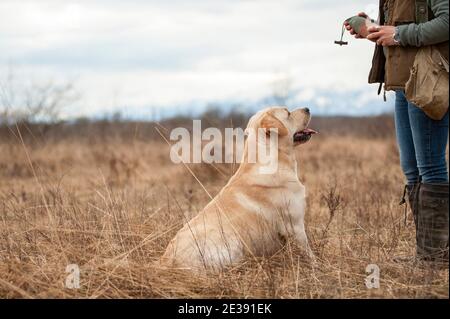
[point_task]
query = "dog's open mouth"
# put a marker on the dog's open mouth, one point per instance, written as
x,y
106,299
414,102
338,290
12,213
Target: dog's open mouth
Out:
x,y
304,135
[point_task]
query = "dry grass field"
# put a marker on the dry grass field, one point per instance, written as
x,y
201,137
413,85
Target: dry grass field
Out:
x,y
112,205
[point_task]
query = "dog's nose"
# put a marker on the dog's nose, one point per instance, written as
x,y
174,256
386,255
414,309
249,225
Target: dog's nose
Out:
x,y
306,110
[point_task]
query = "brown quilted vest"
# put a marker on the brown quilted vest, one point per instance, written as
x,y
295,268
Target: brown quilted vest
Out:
x,y
394,69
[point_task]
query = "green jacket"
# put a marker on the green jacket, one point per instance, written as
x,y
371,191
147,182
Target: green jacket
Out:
x,y
432,32
392,66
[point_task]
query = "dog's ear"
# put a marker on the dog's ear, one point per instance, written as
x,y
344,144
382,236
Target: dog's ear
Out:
x,y
271,124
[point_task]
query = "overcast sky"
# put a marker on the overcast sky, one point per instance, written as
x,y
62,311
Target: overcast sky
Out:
x,y
139,53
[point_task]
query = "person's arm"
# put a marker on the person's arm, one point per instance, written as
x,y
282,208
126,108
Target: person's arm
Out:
x,y
428,33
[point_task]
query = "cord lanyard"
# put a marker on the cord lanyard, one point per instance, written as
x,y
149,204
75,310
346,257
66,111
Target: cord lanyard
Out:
x,y
341,42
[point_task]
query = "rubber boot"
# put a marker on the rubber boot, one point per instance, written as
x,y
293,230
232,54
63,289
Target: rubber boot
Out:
x,y
432,223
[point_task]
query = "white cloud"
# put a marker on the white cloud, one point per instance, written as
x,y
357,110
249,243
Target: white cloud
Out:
x,y
167,52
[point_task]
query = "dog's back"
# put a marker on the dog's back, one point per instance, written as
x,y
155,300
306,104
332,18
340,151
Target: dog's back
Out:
x,y
224,232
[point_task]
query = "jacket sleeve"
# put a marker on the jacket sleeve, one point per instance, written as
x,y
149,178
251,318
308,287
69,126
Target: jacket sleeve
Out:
x,y
428,33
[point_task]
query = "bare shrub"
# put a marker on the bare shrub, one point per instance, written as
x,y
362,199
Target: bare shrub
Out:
x,y
35,101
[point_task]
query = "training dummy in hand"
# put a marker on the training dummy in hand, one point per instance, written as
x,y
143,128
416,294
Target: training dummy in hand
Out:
x,y
358,25
361,25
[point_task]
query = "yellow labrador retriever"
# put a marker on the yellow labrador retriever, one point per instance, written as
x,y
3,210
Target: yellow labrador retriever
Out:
x,y
255,208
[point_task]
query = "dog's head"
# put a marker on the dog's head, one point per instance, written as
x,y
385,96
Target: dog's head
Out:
x,y
290,127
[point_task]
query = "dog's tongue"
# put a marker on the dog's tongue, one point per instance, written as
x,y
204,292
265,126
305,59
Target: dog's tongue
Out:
x,y
309,131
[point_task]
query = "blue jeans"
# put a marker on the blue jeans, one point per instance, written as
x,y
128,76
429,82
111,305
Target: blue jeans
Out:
x,y
422,143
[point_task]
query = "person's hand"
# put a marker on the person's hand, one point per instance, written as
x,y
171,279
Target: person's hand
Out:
x,y
382,35
350,29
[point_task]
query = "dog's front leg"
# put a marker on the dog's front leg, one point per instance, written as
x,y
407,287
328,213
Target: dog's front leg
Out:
x,y
302,239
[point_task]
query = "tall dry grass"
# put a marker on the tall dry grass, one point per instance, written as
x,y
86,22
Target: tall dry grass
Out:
x,y
112,205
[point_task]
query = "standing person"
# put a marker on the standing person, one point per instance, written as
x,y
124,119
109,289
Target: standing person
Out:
x,y
404,27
